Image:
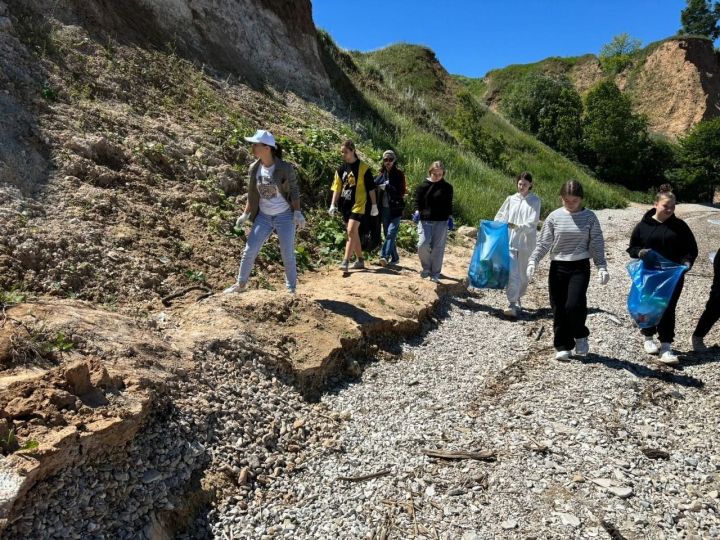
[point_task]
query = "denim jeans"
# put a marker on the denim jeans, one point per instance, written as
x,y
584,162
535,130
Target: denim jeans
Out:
x,y
262,227
391,226
432,236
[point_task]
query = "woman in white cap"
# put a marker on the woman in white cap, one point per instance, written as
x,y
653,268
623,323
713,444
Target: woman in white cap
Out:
x,y
273,204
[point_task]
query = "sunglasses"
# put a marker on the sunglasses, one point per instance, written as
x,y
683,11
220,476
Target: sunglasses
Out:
x,y
389,159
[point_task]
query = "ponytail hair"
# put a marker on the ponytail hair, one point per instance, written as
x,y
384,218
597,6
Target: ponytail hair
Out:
x,y
277,151
572,188
665,192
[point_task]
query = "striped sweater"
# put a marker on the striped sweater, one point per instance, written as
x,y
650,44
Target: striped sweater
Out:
x,y
571,237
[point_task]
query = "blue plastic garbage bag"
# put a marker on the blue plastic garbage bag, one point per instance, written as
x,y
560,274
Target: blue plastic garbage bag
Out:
x,y
653,282
490,263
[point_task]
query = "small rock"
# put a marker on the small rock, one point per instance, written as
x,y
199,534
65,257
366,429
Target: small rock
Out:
x,y
620,491
568,519
509,524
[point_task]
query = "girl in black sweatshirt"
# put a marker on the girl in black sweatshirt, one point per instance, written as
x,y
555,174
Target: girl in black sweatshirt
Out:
x,y
662,231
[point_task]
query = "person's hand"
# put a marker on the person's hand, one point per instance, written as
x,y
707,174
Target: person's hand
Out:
x,y
530,272
242,219
603,276
687,264
374,210
643,253
451,224
332,209
416,216
299,220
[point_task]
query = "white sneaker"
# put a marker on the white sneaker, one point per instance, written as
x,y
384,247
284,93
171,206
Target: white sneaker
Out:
x,y
510,312
562,356
582,347
358,264
236,287
344,265
650,346
667,356
698,344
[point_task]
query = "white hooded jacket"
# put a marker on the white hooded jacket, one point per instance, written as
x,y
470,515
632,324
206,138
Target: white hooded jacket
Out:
x,y
524,213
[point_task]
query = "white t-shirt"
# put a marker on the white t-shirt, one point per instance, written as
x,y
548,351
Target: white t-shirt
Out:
x,y
272,202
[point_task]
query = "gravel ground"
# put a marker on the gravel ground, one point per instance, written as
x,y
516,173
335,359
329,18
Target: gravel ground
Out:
x,y
610,446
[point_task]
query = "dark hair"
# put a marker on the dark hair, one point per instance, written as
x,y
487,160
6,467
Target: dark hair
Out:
x,y
350,145
572,188
665,192
277,151
525,176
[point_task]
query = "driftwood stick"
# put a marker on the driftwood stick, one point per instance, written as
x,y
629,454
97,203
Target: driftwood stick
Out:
x,y
483,455
364,477
170,297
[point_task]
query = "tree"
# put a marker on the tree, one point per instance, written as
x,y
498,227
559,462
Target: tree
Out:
x,y
617,55
466,124
698,173
549,108
700,18
617,139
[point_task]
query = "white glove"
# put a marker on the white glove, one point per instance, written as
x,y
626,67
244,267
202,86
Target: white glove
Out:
x,y
332,209
299,220
603,276
374,210
530,272
242,219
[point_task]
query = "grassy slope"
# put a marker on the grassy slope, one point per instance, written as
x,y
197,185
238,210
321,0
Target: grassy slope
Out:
x,y
480,189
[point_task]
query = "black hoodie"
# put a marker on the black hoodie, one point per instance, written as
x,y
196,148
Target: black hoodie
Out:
x,y
672,239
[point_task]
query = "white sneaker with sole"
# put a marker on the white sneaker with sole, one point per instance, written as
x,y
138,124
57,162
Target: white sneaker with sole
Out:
x,y
582,347
344,265
510,311
562,356
698,344
667,356
236,287
650,346
358,265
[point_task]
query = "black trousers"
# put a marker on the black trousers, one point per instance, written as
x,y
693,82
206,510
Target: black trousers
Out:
x,y
712,309
568,283
666,327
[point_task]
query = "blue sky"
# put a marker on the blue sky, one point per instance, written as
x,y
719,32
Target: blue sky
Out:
x,y
471,37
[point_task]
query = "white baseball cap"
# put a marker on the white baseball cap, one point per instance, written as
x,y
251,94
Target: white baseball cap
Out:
x,y
262,136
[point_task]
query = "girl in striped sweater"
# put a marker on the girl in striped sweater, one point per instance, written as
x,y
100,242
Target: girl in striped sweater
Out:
x,y
572,235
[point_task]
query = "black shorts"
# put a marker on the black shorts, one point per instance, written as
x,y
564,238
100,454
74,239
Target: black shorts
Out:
x,y
352,215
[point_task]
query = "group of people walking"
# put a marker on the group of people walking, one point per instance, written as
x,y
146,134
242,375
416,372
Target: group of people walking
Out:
x,y
571,235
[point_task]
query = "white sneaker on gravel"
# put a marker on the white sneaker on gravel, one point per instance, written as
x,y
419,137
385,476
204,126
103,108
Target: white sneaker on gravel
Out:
x,y
582,347
650,346
562,356
698,344
667,356
236,287
510,311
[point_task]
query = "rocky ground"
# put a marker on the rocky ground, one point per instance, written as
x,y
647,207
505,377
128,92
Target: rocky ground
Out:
x,y
610,446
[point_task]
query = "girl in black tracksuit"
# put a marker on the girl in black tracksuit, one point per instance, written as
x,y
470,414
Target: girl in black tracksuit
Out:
x,y
662,231
711,315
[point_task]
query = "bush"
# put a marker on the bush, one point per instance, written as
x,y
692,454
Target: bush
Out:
x,y
549,108
466,124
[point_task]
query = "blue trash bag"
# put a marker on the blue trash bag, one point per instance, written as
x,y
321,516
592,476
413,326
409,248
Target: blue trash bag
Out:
x,y
490,263
653,283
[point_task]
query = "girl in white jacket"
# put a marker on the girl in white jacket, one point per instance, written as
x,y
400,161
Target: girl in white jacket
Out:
x,y
521,211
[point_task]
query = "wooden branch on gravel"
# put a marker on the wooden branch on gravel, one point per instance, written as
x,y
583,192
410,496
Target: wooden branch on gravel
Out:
x,y
167,299
364,477
483,455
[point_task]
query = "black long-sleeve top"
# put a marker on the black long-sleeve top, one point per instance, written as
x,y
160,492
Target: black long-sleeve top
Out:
x,y
434,200
672,239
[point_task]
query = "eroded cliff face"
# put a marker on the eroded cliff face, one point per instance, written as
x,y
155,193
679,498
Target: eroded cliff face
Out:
x,y
677,86
262,41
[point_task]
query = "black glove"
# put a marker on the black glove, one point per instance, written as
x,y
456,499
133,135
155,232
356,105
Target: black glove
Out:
x,y
643,253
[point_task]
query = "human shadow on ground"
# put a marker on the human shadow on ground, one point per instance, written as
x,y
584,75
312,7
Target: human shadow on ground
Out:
x,y
346,309
699,358
640,370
